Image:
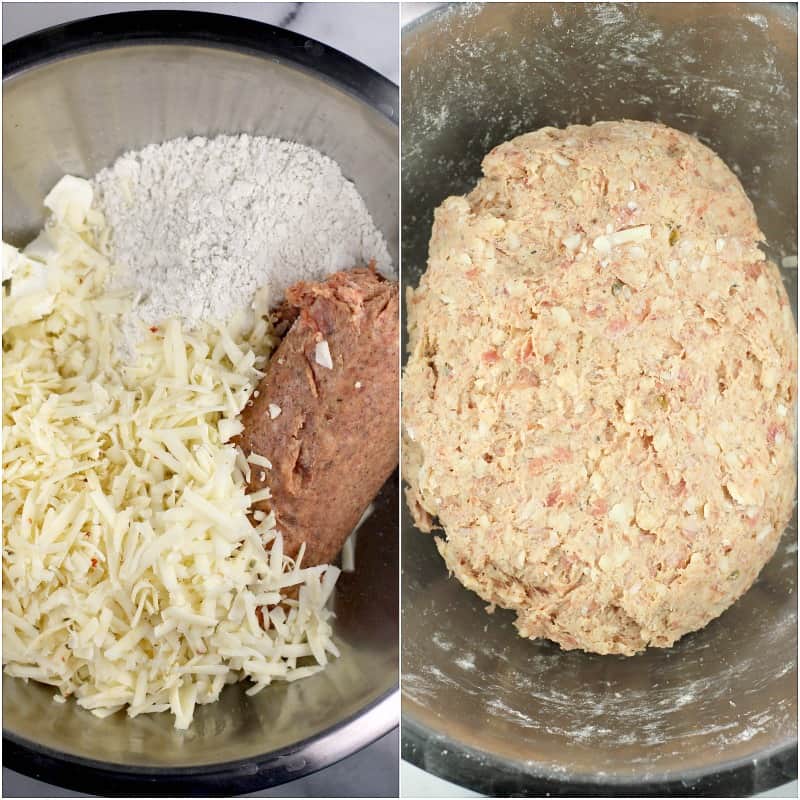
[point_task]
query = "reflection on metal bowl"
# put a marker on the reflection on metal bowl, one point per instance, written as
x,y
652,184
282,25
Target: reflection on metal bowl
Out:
x,y
75,98
716,713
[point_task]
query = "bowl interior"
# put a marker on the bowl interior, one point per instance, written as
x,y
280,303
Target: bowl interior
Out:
x,y
76,115
473,78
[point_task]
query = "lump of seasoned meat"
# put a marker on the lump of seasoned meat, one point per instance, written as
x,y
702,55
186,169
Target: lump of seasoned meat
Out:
x,y
326,413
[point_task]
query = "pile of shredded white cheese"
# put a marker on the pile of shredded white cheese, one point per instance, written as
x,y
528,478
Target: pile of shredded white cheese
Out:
x,y
131,574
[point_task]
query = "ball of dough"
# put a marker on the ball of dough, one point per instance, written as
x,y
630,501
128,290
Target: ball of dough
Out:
x,y
599,398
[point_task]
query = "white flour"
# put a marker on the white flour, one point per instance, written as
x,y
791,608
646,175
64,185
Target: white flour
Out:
x,y
198,225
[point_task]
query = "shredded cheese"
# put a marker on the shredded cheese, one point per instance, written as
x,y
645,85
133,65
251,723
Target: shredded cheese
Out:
x,y
131,573
348,555
259,461
322,355
641,233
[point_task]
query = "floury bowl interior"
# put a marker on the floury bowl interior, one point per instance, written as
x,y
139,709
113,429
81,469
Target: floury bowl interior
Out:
x,y
481,707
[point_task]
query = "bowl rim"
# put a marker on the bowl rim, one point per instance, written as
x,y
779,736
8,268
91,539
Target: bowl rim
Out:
x,y
203,28
259,39
490,774
493,775
105,778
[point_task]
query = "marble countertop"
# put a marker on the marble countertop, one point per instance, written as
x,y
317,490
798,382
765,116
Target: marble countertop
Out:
x,y
410,11
369,32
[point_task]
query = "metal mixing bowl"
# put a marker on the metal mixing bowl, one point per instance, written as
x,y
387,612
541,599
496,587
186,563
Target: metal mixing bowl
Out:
x,y
75,98
717,712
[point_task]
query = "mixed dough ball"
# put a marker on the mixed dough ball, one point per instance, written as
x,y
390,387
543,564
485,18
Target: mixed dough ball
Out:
x,y
599,398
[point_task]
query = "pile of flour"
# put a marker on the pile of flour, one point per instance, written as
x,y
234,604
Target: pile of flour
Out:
x,y
197,225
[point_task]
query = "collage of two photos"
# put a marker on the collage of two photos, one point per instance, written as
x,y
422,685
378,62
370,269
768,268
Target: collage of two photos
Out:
x,y
399,399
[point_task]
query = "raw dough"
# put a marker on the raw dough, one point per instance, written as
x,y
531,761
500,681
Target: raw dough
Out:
x,y
599,400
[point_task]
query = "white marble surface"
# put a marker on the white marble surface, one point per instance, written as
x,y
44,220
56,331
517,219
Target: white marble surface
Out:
x,y
369,32
410,11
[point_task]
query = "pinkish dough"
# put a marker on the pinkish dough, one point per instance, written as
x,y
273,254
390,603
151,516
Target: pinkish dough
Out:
x,y
599,400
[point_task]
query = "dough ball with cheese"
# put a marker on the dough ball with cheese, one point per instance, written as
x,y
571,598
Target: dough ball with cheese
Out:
x,y
599,399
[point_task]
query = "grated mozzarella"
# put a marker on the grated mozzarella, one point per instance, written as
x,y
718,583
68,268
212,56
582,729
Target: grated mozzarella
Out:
x,y
132,574
322,355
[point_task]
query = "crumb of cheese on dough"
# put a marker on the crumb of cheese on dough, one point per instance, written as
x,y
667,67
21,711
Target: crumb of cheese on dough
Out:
x,y
322,355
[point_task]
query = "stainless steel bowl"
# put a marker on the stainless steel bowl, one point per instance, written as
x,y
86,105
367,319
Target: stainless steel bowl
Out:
x,y
76,97
716,713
